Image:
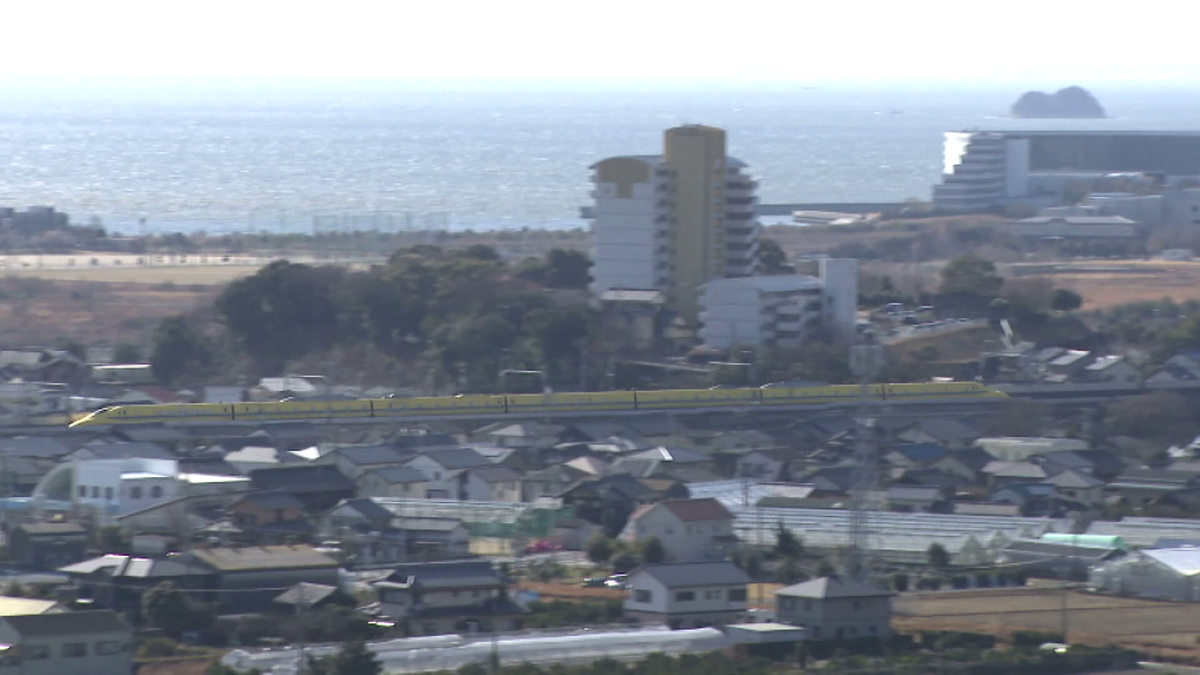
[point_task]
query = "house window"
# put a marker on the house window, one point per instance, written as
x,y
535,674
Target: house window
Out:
x,y
816,631
739,595
74,650
108,648
82,490
808,605
643,596
36,652
872,629
685,596
712,595
156,491
784,603
108,493
135,493
95,492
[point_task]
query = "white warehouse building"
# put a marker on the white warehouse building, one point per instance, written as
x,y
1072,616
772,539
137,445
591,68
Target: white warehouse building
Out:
x,y
782,310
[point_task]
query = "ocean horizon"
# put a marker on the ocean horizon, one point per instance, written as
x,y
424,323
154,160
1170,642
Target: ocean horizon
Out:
x,y
320,157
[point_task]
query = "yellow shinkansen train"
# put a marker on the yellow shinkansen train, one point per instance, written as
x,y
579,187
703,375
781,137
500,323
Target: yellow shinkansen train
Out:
x,y
518,404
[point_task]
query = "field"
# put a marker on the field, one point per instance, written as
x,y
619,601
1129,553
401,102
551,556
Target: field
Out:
x,y
40,311
1159,627
1107,283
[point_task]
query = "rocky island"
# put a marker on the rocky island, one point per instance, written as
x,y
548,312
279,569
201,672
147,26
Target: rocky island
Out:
x,y
1072,102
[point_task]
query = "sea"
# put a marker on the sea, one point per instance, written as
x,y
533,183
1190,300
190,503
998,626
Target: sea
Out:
x,y
317,157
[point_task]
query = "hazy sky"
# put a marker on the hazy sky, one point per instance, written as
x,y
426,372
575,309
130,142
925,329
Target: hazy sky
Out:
x,y
1040,43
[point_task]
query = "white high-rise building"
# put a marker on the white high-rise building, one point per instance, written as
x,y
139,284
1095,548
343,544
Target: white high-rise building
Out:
x,y
674,222
783,310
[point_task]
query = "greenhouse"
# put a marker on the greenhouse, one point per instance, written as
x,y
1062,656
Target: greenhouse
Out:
x,y
451,652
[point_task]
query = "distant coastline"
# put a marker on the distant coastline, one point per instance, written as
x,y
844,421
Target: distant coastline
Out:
x,y
1072,102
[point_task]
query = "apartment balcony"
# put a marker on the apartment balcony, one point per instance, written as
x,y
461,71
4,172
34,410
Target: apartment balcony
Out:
x,y
742,184
788,326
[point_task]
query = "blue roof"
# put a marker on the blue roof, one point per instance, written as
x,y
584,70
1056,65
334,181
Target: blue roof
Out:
x,y
922,452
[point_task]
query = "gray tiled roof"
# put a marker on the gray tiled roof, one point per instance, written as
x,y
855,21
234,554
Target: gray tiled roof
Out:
x,y
67,623
676,575
832,587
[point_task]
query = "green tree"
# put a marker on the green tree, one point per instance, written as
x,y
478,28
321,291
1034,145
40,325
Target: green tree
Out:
x,y
971,275
74,348
165,607
127,353
772,259
559,334
567,269
178,350
1160,416
1065,300
900,582
354,658
938,557
560,268
112,539
283,312
599,548
652,551
825,568
790,572
15,590
787,544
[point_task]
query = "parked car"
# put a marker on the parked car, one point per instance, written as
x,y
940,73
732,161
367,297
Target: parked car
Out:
x,y
619,582
595,582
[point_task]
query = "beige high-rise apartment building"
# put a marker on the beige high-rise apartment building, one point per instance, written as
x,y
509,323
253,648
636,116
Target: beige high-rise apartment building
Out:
x,y
675,221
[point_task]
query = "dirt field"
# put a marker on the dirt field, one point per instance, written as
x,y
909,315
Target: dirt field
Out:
x,y
1105,283
40,311
184,274
1098,619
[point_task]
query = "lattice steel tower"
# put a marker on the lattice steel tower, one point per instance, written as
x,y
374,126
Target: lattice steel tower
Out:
x,y
866,360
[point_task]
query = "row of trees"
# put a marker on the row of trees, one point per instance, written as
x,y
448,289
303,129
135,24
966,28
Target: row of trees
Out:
x,y
466,310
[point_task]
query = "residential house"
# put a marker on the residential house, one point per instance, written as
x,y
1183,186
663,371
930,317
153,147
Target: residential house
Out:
x,y
446,469
459,596
687,595
305,596
1113,369
915,455
1032,499
10,606
523,434
251,457
317,486
1078,486
171,438
1000,472
1102,464
269,515
676,457
409,442
835,608
239,579
609,500
120,450
1184,367
1140,487
949,432
247,579
47,546
67,643
690,530
831,481
354,461
916,498
402,482
117,582
765,465
434,538
1071,363
493,484
550,481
